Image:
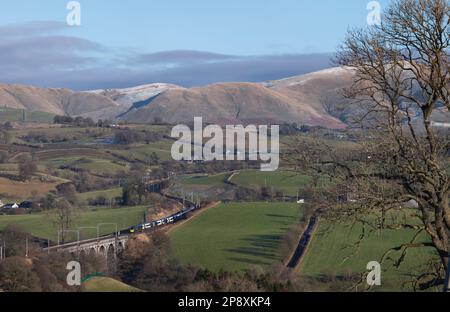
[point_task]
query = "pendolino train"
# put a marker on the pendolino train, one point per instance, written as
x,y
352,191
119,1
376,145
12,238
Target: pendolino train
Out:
x,y
167,220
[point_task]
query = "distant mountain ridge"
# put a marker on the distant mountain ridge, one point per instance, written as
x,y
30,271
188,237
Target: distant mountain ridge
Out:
x,y
54,101
295,99
314,99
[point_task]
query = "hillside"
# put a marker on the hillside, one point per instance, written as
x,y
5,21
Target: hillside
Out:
x,y
129,96
230,102
285,100
321,90
106,284
313,99
54,101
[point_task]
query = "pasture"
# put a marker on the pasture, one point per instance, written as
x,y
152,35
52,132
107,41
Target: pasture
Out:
x,y
286,181
42,225
204,179
18,115
234,236
108,194
18,190
333,252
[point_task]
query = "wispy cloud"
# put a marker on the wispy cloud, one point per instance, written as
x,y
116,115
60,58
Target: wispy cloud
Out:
x,y
35,48
40,53
181,57
29,29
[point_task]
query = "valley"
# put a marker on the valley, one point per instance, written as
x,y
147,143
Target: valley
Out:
x,y
91,174
73,161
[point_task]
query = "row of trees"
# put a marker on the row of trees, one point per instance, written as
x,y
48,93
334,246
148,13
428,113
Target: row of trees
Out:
x,y
77,121
129,136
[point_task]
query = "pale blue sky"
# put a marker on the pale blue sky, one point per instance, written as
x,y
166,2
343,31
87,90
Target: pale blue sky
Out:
x,y
125,30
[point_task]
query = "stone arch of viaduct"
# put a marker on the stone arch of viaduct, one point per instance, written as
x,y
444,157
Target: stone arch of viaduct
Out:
x,y
100,247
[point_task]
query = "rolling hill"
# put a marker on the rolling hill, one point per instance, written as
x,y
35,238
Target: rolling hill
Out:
x,y
296,99
54,101
314,99
321,90
230,103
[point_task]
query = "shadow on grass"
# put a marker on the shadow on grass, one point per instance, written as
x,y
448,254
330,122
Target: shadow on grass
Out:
x,y
258,250
282,220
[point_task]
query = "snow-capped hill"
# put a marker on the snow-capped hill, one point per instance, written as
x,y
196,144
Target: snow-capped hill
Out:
x,y
130,96
334,72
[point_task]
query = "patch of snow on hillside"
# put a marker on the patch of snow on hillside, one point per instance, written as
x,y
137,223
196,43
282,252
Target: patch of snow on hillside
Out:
x,y
129,96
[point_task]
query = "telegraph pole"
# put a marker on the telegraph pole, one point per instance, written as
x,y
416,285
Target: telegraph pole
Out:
x,y
183,200
26,247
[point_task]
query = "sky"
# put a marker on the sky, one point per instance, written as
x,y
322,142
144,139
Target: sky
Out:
x,y
125,43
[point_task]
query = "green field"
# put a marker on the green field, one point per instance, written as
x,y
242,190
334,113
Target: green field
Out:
x,y
106,284
142,153
108,194
234,236
333,250
286,181
96,165
41,225
11,115
204,179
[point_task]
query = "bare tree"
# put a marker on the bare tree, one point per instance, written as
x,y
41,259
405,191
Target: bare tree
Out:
x,y
401,80
402,76
27,168
64,216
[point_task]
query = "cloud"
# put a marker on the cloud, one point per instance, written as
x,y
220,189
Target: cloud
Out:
x,y
29,29
36,48
52,52
181,57
246,68
36,53
249,69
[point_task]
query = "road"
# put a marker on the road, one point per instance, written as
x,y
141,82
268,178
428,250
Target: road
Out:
x,y
304,242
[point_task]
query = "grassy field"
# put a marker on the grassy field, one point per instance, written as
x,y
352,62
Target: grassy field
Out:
x,y
286,181
108,194
234,236
204,179
142,153
11,115
333,250
106,284
41,225
95,165
17,190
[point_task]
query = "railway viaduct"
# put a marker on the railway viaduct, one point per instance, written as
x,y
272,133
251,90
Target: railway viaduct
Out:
x,y
104,245
111,244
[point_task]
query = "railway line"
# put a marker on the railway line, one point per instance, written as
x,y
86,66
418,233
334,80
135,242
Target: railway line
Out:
x,y
122,235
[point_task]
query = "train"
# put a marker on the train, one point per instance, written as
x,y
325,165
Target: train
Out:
x,y
182,214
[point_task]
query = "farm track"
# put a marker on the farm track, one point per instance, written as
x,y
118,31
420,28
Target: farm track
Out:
x,y
229,179
304,242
